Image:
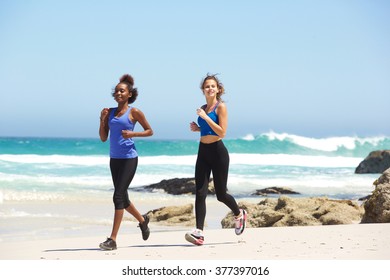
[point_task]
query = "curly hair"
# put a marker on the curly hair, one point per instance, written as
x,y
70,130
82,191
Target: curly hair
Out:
x,y
128,80
221,88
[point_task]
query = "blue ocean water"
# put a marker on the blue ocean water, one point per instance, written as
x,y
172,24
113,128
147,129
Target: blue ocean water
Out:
x,y
62,186
60,168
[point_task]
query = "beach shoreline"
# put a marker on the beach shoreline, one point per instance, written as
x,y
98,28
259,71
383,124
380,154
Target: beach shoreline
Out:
x,y
45,220
336,242
41,237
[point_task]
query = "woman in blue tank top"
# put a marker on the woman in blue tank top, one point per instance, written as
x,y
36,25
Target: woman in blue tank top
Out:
x,y
212,157
118,124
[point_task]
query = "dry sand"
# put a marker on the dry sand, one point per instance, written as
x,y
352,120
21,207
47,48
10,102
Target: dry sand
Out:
x,y
338,242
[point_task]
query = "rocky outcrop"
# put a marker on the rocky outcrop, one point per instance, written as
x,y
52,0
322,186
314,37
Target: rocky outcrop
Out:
x,y
286,211
274,191
377,207
176,186
375,162
173,215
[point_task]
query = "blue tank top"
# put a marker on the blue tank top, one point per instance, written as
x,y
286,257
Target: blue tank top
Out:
x,y
121,147
205,129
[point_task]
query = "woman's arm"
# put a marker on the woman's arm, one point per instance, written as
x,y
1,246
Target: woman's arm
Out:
x,y
103,128
136,115
219,129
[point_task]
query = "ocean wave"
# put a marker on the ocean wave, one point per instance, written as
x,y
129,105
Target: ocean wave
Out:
x,y
333,184
9,214
91,152
12,213
314,184
294,160
166,161
55,159
327,144
13,195
42,180
261,159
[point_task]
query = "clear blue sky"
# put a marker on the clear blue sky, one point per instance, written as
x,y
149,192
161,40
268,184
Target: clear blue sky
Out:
x,y
311,68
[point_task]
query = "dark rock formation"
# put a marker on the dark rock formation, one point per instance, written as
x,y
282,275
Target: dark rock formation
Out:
x,y
274,191
375,162
176,186
377,207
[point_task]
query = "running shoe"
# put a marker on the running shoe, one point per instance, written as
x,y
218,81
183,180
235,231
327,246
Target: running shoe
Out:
x,y
109,244
144,227
240,222
195,237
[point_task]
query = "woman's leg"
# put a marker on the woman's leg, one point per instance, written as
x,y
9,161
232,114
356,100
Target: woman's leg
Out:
x,y
220,169
136,214
123,171
118,216
202,178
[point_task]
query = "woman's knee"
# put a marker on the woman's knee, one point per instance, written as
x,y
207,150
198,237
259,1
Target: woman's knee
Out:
x,y
200,194
120,202
221,197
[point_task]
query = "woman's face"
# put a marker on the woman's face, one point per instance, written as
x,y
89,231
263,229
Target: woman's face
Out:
x,y
121,93
210,88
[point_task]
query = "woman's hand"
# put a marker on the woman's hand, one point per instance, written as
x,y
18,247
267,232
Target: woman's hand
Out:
x,y
127,134
201,113
104,114
194,127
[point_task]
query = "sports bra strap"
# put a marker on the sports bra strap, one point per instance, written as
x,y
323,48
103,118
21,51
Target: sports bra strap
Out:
x,y
214,108
216,105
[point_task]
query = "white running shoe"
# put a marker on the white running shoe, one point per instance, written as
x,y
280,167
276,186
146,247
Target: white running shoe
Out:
x,y
195,237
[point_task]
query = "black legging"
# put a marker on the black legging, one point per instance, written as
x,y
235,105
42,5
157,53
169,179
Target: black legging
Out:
x,y
122,172
212,157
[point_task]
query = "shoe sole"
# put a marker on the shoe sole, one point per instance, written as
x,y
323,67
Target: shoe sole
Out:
x,y
106,248
146,234
193,240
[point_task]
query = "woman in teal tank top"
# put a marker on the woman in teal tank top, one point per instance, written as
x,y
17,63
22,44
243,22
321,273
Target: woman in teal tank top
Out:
x,y
118,124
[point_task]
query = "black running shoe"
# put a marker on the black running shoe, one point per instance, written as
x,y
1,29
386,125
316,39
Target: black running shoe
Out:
x,y
109,244
144,227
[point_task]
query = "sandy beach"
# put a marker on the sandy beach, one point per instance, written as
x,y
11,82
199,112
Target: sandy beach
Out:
x,y
340,242
356,251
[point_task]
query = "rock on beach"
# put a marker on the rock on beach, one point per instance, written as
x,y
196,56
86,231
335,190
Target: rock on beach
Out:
x,y
286,211
377,206
375,162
